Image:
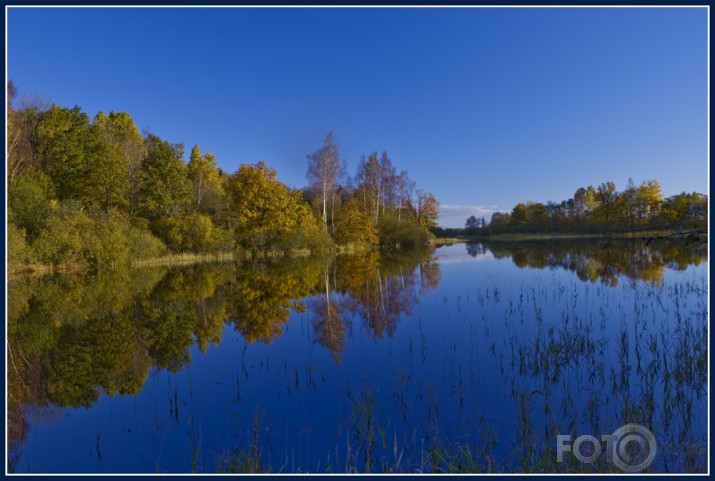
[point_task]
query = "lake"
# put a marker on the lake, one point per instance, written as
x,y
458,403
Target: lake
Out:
x,y
469,357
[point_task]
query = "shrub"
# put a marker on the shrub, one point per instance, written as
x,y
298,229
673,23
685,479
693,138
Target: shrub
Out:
x,y
405,234
102,240
18,251
192,233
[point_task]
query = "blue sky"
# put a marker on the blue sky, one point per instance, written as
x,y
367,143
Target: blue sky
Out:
x,y
484,107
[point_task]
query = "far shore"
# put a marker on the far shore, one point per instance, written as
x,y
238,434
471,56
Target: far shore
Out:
x,y
642,235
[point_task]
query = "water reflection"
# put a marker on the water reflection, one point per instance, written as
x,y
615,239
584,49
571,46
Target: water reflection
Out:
x,y
73,336
603,261
483,352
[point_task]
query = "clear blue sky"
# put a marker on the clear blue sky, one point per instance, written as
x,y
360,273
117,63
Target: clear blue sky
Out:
x,y
484,107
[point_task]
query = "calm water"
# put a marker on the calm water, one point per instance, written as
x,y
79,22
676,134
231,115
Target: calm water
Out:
x,y
469,357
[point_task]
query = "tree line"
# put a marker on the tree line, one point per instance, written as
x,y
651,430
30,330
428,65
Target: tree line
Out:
x,y
101,192
598,210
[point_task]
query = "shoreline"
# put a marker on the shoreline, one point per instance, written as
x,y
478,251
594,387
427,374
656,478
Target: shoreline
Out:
x,y
642,235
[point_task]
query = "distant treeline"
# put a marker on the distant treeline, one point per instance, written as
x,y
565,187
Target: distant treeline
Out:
x,y
100,192
596,210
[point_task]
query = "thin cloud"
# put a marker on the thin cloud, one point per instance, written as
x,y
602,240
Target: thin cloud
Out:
x,y
456,215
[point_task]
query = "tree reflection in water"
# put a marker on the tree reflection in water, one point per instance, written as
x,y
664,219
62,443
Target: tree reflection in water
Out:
x,y
72,337
601,261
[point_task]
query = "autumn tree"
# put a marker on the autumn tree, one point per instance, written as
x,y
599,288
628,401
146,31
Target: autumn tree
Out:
x,y
427,209
353,226
266,211
323,171
648,199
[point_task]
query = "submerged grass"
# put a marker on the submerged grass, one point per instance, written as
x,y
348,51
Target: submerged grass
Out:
x,y
567,369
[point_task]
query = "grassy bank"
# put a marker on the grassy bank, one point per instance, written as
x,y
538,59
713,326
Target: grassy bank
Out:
x,y
184,258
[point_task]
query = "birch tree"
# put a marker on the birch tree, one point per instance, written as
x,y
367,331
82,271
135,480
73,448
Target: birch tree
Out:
x,y
323,170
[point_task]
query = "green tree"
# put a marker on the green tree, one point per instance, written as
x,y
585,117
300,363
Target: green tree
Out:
x,y
518,217
165,188
193,233
30,197
81,163
537,218
206,180
119,130
62,149
606,196
500,222
18,251
107,178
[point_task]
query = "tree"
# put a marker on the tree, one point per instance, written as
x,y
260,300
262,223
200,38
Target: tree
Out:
x,y
14,132
606,196
500,222
23,136
266,211
30,195
206,179
353,226
165,187
648,199
405,188
427,209
372,176
119,129
62,149
518,216
107,183
626,208
584,202
472,224
323,171
388,183
537,218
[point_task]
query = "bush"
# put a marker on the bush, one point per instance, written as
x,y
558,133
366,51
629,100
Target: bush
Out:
x,y
18,251
29,197
405,234
192,233
72,236
64,239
